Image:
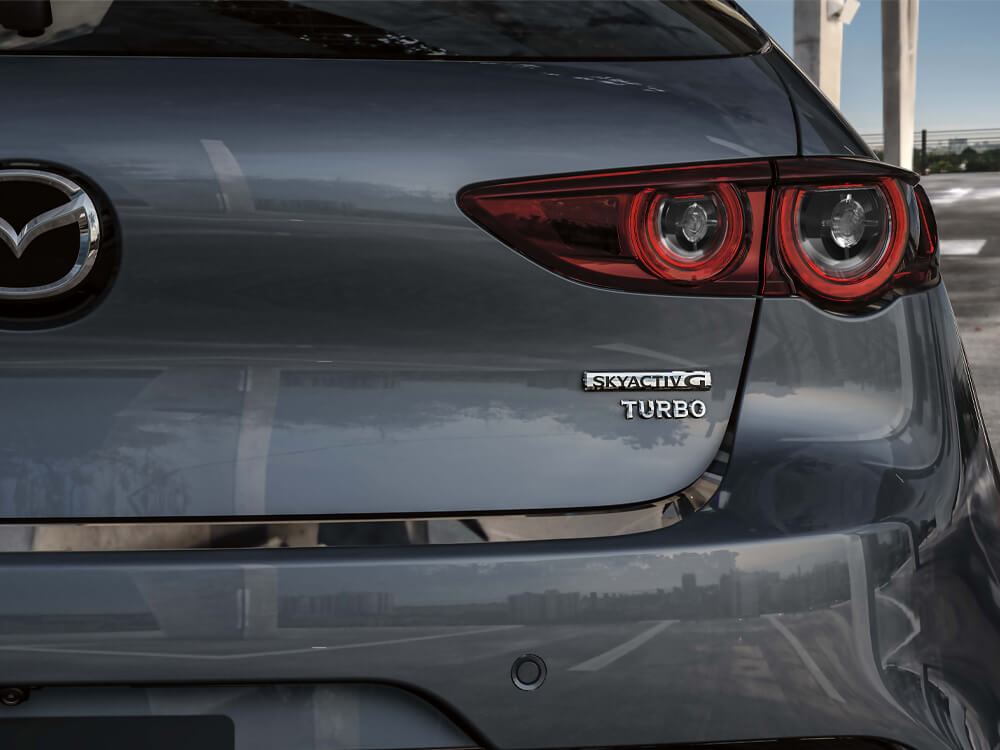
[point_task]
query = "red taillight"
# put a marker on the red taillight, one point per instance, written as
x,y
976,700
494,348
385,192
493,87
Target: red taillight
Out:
x,y
842,243
623,229
686,237
848,232
844,232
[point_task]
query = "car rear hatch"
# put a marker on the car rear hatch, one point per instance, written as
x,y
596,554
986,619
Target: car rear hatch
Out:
x,y
301,320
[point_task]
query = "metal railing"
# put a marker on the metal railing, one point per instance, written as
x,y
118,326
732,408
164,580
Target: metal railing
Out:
x,y
969,149
954,141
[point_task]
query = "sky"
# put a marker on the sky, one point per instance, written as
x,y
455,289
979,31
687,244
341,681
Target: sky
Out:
x,y
958,62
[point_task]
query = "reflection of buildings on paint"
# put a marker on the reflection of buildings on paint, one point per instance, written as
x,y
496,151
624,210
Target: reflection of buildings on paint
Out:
x,y
707,586
689,583
360,605
748,594
737,594
552,605
711,586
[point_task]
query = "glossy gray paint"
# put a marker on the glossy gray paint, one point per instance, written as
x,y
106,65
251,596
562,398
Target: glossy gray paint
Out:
x,y
264,717
303,321
876,622
842,583
847,421
822,130
458,621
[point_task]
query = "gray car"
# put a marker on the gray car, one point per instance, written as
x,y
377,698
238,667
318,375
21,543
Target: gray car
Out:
x,y
392,375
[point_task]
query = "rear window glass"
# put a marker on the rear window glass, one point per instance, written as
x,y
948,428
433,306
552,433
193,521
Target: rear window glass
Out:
x,y
380,29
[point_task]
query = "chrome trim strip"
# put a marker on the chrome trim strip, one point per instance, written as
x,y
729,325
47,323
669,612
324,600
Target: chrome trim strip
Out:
x,y
107,536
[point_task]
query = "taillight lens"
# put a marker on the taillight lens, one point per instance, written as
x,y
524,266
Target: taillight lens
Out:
x,y
843,242
687,237
849,233
844,232
681,230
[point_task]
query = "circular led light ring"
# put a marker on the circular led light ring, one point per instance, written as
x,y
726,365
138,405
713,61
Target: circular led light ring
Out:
x,y
857,270
874,280
643,229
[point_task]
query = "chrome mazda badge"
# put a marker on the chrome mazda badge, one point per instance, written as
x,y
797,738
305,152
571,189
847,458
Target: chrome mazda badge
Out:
x,y
78,209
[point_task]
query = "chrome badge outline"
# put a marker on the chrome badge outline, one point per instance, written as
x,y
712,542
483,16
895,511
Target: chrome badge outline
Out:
x,y
79,209
652,380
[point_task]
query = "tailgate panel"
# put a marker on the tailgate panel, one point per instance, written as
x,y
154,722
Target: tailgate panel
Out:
x,y
305,323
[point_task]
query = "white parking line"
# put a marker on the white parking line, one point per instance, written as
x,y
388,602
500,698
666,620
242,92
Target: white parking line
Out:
x,y
951,195
602,660
807,660
961,247
954,195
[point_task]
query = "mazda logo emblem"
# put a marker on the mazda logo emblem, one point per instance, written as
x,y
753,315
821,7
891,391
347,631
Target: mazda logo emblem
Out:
x,y
78,210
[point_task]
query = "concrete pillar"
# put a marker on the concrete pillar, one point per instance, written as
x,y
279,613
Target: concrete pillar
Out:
x,y
899,79
819,41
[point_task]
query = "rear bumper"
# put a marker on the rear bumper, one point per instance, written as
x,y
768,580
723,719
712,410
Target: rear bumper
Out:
x,y
829,635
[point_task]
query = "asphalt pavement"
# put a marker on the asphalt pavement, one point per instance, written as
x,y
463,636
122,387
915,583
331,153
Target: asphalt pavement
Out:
x,y
967,207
